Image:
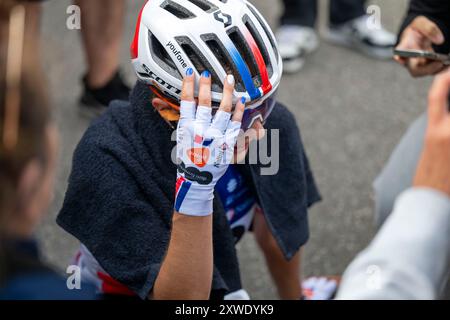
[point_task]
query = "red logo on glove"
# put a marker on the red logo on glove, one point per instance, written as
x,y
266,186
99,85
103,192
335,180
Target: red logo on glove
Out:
x,y
198,139
198,156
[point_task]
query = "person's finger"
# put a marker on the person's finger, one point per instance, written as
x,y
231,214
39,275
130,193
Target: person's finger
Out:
x,y
227,97
239,110
400,60
430,69
429,29
422,62
419,62
418,69
438,97
427,70
204,90
187,92
159,104
412,40
204,110
442,69
223,115
412,65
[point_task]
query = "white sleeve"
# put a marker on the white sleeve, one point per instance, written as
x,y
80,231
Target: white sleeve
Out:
x,y
410,256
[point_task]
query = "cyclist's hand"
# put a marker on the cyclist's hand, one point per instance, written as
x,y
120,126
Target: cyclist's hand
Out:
x,y
205,144
421,34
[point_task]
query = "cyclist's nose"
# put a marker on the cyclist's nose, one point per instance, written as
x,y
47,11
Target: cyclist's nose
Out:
x,y
258,127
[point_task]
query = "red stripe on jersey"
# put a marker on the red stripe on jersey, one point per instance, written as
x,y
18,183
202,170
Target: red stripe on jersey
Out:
x,y
178,185
111,286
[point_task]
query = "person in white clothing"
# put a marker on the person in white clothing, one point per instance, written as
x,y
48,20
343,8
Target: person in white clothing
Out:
x,y
410,256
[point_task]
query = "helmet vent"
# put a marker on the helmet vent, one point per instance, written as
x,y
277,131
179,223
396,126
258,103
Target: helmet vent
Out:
x,y
199,61
260,43
204,5
264,26
162,57
177,10
246,53
224,58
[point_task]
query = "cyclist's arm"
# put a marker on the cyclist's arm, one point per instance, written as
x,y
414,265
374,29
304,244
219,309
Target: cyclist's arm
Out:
x,y
186,272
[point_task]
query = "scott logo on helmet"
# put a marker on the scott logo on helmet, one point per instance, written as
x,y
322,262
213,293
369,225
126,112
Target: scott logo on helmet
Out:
x,y
223,17
151,74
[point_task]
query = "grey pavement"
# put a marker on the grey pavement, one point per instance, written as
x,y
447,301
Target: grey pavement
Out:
x,y
351,110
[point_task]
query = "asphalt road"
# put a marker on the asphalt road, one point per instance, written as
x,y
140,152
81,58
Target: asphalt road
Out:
x,y
352,110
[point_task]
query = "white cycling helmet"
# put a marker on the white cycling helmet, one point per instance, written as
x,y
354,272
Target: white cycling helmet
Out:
x,y
221,36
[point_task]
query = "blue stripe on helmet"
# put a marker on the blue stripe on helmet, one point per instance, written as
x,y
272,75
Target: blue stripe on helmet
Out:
x,y
243,71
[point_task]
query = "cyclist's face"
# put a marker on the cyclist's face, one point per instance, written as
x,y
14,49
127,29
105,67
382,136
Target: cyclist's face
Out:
x,y
258,129
256,132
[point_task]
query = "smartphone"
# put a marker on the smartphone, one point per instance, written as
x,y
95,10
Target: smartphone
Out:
x,y
444,58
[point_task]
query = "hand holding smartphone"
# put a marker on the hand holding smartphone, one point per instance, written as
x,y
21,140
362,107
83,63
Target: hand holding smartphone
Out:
x,y
430,55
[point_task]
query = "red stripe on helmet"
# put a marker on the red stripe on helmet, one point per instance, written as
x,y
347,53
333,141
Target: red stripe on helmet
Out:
x,y
266,85
135,43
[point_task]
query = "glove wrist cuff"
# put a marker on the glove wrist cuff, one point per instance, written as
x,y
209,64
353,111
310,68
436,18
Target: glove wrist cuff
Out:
x,y
193,199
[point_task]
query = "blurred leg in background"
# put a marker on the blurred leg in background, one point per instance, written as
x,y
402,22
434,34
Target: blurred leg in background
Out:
x,y
101,28
33,28
297,36
349,26
343,11
299,13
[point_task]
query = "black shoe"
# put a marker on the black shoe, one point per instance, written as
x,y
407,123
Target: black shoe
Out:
x,y
98,99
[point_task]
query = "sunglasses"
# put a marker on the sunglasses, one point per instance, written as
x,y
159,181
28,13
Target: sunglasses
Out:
x,y
14,61
260,112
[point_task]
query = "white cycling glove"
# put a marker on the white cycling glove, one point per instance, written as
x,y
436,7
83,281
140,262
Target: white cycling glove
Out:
x,y
204,151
